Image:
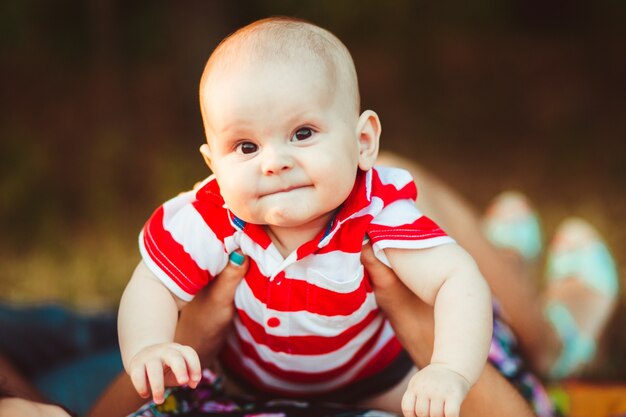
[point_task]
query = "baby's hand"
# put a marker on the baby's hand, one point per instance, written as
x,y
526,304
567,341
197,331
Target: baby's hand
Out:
x,y
166,364
435,391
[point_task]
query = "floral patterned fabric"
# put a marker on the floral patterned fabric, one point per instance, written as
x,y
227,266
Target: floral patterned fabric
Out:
x,y
505,357
208,399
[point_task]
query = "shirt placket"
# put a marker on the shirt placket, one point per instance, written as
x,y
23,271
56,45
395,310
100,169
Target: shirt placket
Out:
x,y
277,289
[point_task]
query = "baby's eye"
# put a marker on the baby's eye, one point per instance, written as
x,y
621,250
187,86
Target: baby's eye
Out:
x,y
302,134
247,148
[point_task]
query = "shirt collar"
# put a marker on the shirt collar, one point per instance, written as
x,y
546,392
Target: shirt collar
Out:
x,y
358,199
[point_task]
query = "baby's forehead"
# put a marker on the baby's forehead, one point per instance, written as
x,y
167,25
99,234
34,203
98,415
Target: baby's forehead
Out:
x,y
267,51
303,48
250,67
304,84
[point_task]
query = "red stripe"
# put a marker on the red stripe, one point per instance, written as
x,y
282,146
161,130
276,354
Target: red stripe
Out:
x,y
349,237
257,233
312,245
309,247
304,345
249,351
383,235
377,364
346,238
389,193
171,257
216,218
421,229
286,294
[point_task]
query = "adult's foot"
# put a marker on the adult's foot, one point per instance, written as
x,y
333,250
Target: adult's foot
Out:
x,y
581,293
512,224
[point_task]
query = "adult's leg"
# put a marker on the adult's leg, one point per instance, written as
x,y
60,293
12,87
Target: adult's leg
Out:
x,y
58,354
119,399
521,304
413,322
12,382
201,325
16,406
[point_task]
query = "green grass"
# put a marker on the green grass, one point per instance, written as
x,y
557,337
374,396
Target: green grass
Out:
x,y
86,271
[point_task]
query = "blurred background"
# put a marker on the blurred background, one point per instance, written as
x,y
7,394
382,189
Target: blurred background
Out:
x,y
101,121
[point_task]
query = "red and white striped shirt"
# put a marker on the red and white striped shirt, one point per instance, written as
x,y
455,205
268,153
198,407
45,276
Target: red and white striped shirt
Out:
x,y
306,324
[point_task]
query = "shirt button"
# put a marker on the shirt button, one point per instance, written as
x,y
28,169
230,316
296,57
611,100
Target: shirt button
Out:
x,y
273,322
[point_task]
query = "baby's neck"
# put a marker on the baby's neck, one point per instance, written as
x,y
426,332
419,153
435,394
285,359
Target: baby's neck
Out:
x,y
288,239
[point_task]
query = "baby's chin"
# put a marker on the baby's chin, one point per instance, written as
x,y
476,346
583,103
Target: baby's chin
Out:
x,y
285,217
274,217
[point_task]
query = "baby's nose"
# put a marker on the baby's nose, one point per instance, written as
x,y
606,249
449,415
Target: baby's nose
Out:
x,y
276,161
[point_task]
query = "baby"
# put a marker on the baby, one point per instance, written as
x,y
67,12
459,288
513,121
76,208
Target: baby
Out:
x,y
294,188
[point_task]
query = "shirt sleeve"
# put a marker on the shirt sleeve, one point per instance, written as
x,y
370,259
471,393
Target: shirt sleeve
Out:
x,y
180,247
400,224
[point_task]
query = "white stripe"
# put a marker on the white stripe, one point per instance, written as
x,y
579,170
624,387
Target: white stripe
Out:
x,y
300,323
189,229
311,363
407,244
398,213
275,382
268,260
338,271
397,177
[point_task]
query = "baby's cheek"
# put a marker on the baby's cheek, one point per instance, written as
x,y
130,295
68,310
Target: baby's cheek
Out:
x,y
238,204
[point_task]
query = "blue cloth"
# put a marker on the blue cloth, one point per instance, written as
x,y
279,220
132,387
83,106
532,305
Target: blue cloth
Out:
x,y
69,356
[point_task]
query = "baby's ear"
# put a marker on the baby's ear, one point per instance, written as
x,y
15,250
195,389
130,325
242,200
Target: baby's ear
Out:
x,y
206,154
368,134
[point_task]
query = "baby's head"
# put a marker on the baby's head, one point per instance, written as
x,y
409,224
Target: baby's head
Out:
x,y
280,106
276,42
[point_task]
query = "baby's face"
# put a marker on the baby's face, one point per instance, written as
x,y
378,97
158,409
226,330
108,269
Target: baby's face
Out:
x,y
281,143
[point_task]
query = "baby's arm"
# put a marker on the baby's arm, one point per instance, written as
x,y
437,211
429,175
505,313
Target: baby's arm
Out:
x,y
447,277
146,324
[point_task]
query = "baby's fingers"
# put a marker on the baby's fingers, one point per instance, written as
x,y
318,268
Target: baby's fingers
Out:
x,y
154,371
452,407
408,404
185,365
193,365
422,406
437,408
140,380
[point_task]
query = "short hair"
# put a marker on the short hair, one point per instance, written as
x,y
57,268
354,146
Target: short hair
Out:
x,y
284,38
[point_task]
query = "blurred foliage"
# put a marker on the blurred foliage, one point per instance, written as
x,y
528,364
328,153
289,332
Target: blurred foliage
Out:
x,y
101,122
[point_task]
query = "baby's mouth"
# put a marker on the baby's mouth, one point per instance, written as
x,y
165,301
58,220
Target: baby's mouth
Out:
x,y
285,190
